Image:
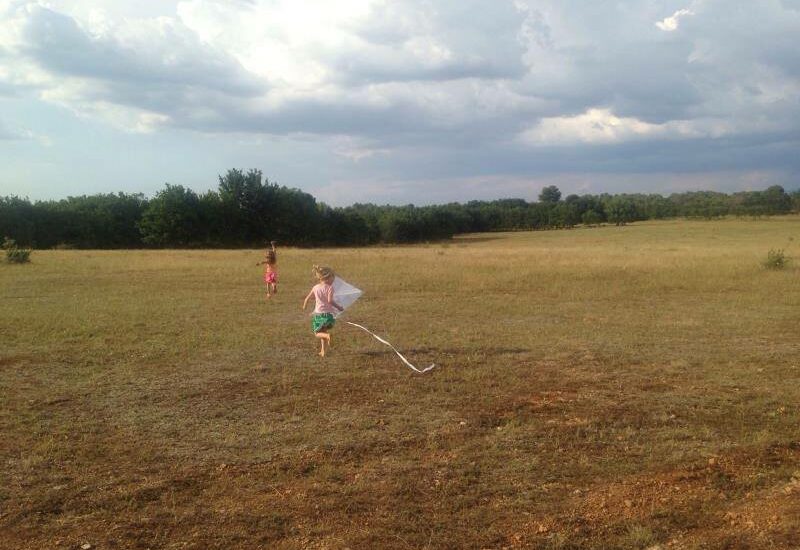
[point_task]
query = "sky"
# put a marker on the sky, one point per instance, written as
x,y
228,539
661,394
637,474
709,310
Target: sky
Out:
x,y
396,102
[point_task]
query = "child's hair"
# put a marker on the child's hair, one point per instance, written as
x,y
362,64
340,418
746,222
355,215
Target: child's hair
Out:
x,y
271,255
323,272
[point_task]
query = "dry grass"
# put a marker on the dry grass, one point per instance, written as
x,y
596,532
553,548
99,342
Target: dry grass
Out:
x,y
606,388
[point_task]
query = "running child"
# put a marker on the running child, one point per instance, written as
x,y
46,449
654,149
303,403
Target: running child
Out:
x,y
322,320
271,269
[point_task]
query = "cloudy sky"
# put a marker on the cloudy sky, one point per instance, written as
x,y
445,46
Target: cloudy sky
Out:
x,y
421,101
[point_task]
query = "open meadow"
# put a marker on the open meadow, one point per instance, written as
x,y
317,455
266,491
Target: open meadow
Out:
x,y
612,387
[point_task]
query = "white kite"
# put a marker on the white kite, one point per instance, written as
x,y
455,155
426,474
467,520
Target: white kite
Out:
x,y
346,295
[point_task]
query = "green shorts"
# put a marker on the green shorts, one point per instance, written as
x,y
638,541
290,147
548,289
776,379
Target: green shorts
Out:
x,y
322,321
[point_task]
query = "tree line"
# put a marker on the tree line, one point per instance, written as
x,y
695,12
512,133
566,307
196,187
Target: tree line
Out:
x,y
247,209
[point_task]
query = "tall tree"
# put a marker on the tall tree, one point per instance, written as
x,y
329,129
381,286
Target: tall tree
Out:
x,y
620,210
550,194
172,218
246,207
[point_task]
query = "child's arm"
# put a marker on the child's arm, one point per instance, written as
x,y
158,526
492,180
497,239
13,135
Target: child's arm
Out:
x,y
305,302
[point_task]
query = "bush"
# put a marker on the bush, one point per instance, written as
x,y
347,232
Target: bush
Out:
x,y
776,259
15,254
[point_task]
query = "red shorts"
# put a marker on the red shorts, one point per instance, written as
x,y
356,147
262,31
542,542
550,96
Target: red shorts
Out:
x,y
271,277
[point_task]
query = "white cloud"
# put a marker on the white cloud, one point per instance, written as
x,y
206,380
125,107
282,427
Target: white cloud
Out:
x,y
670,24
279,40
601,126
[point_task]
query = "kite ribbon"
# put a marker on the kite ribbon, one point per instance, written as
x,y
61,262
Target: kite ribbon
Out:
x,y
400,355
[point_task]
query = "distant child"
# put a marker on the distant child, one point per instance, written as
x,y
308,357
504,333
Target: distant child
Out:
x,y
322,321
271,269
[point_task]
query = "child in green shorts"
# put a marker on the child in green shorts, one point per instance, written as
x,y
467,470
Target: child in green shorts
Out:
x,y
322,320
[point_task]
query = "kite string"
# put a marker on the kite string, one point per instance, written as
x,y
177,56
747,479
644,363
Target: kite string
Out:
x,y
400,355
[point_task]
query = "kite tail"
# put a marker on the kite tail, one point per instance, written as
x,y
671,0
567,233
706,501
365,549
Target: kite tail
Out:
x,y
400,355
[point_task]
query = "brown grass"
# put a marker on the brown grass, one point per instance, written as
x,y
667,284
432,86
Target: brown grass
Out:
x,y
630,387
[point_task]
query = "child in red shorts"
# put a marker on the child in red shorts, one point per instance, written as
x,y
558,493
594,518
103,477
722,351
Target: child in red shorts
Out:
x,y
271,270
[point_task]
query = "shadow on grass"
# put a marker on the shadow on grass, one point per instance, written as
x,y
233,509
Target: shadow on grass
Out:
x,y
473,239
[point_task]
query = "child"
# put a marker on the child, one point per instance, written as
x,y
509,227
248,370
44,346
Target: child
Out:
x,y
322,321
271,271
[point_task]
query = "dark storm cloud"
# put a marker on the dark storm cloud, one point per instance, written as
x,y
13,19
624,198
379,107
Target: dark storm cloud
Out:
x,y
170,56
622,61
580,55
699,155
453,88
649,82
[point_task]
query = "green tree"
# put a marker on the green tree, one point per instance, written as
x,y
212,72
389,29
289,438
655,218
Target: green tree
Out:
x,y
17,219
655,207
591,217
550,194
172,218
563,215
701,204
620,210
795,195
246,205
776,200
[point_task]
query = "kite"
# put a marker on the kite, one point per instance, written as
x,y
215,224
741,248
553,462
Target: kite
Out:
x,y
346,295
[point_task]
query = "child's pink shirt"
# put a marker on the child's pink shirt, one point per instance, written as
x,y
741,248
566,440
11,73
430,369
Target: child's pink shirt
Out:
x,y
323,294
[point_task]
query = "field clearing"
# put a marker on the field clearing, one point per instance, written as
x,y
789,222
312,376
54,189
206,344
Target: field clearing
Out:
x,y
613,387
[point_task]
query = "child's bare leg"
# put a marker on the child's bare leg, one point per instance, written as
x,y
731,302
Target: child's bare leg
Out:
x,y
274,288
323,338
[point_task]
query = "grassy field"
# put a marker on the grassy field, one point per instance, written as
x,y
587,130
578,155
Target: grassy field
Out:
x,y
614,387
